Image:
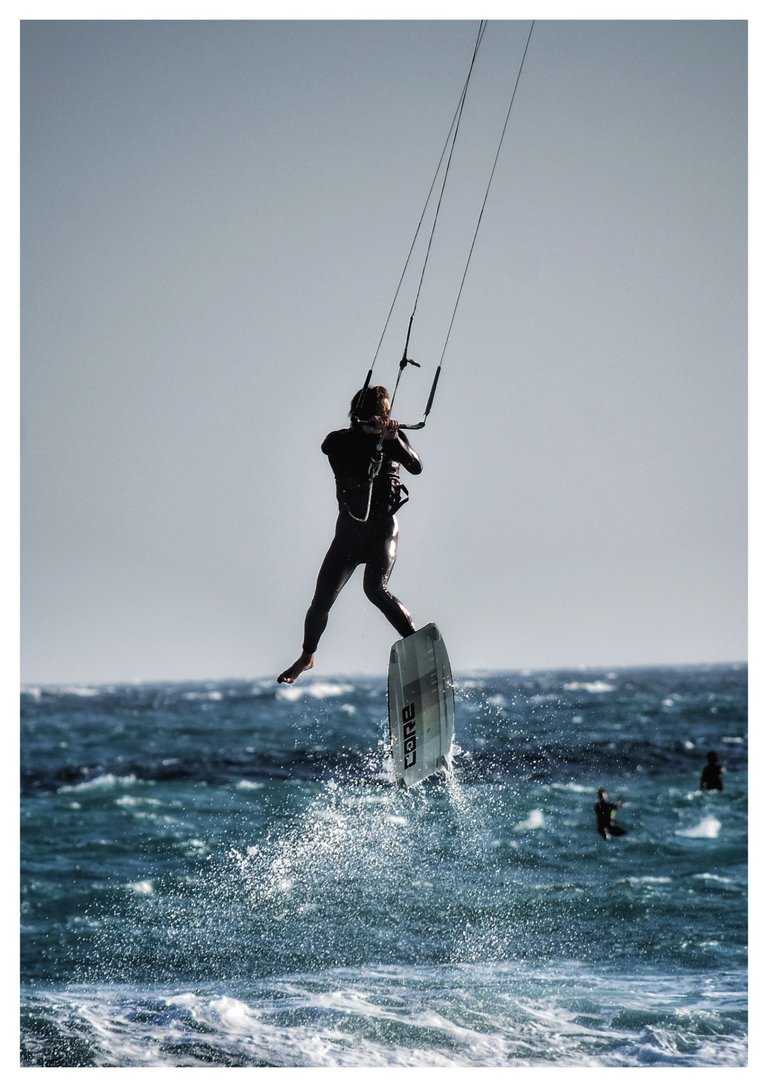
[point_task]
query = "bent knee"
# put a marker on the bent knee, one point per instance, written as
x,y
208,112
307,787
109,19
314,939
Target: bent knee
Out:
x,y
376,593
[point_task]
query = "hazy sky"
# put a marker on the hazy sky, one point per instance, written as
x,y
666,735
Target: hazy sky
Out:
x,y
214,219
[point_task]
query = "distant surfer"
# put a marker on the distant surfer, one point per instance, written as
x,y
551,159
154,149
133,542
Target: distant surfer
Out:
x,y
605,810
366,528
712,774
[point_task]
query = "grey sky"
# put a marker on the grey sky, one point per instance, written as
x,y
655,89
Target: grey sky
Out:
x,y
214,220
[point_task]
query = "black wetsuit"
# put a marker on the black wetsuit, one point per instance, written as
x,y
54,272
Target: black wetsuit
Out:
x,y
605,812
372,541
712,776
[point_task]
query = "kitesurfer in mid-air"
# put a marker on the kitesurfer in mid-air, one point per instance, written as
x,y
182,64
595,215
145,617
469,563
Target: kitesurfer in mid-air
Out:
x,y
366,528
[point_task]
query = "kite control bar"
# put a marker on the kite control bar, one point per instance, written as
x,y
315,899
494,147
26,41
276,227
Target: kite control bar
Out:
x,y
423,423
378,454
409,426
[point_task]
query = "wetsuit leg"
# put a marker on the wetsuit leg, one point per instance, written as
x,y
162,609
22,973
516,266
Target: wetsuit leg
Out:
x,y
380,559
337,567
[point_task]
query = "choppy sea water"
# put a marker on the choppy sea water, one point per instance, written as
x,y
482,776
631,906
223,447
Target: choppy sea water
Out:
x,y
223,874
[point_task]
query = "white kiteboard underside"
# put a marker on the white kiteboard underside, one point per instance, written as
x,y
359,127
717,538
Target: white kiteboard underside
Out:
x,y
421,712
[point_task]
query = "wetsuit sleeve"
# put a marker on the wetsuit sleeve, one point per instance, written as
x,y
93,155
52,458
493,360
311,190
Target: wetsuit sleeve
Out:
x,y
404,454
329,442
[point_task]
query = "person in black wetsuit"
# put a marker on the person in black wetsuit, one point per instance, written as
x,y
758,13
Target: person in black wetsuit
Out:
x,y
366,528
605,811
712,774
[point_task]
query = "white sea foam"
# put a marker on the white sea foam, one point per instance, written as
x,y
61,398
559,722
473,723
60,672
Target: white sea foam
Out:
x,y
138,801
534,821
237,1023
596,686
194,847
142,887
246,785
400,1017
709,827
103,781
313,690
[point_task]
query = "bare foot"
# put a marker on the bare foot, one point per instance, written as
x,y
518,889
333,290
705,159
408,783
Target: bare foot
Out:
x,y
303,664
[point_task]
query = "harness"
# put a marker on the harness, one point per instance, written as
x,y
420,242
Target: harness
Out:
x,y
374,467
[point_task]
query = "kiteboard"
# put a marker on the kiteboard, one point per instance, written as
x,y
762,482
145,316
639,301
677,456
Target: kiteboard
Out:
x,y
421,710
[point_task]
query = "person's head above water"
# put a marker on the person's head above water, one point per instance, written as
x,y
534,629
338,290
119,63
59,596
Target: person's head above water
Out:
x,y
369,402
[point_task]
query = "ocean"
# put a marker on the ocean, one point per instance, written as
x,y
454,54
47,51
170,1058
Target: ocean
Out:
x,y
223,874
